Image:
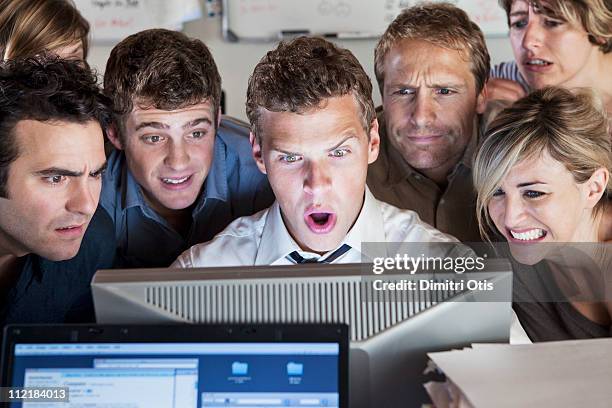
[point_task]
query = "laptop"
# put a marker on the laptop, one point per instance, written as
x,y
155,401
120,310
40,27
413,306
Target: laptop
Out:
x,y
176,366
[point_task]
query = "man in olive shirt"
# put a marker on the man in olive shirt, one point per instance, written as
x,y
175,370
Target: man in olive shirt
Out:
x,y
432,66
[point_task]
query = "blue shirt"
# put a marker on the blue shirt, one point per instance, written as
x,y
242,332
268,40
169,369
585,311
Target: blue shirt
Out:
x,y
233,188
58,292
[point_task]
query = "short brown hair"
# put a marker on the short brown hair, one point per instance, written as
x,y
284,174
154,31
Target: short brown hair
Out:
x,y
45,89
161,69
440,24
30,27
300,74
570,125
595,17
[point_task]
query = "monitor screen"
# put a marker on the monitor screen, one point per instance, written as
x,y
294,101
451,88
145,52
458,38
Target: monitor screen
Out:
x,y
181,375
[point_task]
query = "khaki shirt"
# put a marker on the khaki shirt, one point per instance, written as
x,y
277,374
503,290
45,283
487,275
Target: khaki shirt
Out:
x,y
452,210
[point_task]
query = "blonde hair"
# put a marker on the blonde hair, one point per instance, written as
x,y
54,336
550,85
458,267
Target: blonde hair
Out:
x,y
594,16
571,126
440,24
30,27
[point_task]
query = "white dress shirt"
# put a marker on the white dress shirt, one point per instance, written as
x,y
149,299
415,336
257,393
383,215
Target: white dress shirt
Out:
x,y
263,239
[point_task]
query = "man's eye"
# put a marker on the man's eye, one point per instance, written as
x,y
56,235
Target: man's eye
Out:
x,y
98,174
54,179
290,158
153,139
406,91
533,194
444,91
339,152
198,134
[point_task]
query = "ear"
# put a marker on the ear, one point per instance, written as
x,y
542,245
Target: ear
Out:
x,y
374,142
596,185
113,136
218,116
481,100
599,40
257,154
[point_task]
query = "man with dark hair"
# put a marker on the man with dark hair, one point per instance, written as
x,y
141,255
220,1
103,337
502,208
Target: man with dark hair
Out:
x,y
52,119
313,132
432,67
180,173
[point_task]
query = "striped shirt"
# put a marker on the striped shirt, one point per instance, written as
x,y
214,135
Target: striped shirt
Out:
x,y
509,70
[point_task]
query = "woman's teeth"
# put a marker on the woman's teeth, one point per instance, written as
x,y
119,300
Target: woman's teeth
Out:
x,y
528,235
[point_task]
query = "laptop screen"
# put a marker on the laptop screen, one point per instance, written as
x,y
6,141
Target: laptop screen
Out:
x,y
181,375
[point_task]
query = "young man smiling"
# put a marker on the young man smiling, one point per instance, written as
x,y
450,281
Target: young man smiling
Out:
x,y
313,132
52,117
180,173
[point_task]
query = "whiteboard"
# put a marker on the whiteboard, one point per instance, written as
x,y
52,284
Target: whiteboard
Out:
x,y
275,19
113,20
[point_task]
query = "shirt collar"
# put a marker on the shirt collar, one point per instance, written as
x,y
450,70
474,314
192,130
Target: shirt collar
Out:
x,y
215,184
276,242
132,193
369,226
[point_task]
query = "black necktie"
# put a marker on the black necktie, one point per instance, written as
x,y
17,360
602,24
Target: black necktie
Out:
x,y
299,259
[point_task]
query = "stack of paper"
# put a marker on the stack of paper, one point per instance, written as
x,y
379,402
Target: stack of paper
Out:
x,y
556,374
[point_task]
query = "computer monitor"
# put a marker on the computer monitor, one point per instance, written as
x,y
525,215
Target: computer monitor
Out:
x,y
390,331
178,366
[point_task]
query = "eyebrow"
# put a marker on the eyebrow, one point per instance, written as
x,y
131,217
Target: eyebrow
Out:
x,y
277,149
155,125
530,183
518,13
58,171
196,122
100,169
160,125
342,142
448,84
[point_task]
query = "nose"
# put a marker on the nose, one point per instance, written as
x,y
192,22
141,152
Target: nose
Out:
x,y
514,211
317,178
424,110
84,196
177,156
533,32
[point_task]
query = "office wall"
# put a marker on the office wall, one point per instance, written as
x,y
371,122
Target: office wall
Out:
x,y
237,60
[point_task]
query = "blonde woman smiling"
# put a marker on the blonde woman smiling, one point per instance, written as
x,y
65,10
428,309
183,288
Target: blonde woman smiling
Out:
x,y
542,177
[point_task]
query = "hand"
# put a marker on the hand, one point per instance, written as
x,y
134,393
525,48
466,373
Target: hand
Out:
x,y
504,89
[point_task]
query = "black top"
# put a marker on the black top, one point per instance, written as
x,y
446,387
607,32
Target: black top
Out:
x,y
544,310
58,292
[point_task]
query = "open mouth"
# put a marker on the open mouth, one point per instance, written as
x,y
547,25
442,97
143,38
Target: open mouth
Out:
x,y
70,230
531,235
320,222
176,181
536,64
